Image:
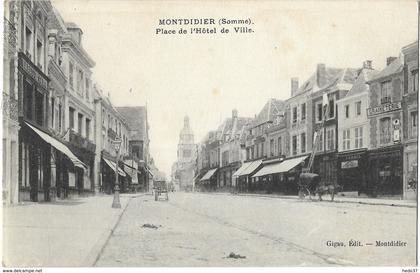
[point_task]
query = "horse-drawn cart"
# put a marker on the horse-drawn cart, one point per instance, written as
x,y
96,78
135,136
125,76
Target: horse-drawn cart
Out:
x,y
310,185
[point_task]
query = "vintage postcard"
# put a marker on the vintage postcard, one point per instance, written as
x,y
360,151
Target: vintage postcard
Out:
x,y
210,134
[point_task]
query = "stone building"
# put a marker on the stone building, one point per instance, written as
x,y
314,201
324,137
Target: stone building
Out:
x,y
110,125
10,103
79,110
138,142
353,134
187,155
332,85
385,116
410,117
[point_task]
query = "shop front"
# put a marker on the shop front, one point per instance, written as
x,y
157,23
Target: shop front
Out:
x,y
108,175
386,171
209,181
352,171
280,177
325,165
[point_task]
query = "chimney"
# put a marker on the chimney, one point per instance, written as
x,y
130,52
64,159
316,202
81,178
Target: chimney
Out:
x,y
294,85
321,75
234,113
367,64
389,60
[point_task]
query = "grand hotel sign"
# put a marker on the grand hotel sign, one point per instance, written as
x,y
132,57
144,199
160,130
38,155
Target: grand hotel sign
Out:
x,y
34,72
384,108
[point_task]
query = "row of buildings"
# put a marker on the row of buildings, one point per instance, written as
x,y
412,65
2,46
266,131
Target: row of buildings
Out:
x,y
58,125
367,144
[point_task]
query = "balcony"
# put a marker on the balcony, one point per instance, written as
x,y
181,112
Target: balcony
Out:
x,y
385,100
10,107
10,34
81,142
111,134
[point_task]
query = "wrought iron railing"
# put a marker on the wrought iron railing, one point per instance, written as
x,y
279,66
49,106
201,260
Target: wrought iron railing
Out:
x,y
81,142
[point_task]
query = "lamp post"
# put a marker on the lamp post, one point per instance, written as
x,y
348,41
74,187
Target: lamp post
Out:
x,y
116,202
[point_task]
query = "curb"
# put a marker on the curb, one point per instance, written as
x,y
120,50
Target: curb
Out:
x,y
97,250
336,201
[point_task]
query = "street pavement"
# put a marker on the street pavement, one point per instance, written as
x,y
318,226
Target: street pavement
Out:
x,y
61,233
194,229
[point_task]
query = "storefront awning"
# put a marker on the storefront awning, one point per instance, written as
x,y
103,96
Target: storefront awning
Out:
x,y
241,169
281,167
251,168
208,174
59,146
112,165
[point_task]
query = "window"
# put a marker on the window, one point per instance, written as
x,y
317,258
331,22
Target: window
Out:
x,y
87,82
71,71
39,108
39,53
347,111
413,124
319,112
320,140
294,115
262,149
28,100
331,108
385,130
247,153
257,150
303,143
71,117
358,108
52,112
415,78
271,147
79,123
330,139
87,128
28,42
225,158
59,117
358,137
386,92
303,111
80,81
346,140
279,146
294,145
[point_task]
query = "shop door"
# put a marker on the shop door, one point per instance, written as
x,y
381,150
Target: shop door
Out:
x,y
34,166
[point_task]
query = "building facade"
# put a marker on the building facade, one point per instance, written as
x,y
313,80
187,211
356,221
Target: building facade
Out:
x,y
353,134
10,103
138,142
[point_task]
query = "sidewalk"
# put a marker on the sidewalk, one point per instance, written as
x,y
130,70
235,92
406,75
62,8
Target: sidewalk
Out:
x,y
337,199
62,233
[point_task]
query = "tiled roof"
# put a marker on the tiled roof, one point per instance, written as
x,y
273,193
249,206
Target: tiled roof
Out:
x,y
393,68
360,85
269,112
136,117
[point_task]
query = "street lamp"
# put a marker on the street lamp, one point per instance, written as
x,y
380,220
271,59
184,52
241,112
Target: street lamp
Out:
x,y
116,202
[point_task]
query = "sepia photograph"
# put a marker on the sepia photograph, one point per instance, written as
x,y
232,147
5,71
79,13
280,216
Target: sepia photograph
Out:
x,y
221,133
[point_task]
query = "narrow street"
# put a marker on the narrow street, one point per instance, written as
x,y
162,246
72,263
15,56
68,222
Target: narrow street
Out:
x,y
194,229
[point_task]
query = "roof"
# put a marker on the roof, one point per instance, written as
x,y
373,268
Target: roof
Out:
x,y
136,118
360,85
393,68
270,110
311,85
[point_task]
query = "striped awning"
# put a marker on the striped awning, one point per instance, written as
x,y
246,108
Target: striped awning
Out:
x,y
209,174
112,165
281,167
242,168
59,146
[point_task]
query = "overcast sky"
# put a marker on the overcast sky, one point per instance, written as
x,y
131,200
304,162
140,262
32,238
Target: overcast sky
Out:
x,y
206,76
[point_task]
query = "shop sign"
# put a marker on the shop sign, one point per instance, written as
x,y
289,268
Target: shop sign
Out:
x,y
33,73
349,164
384,108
